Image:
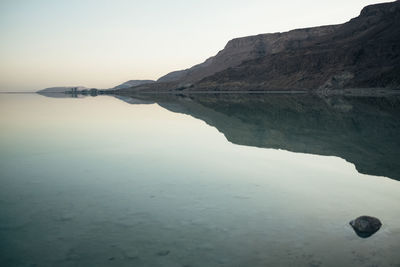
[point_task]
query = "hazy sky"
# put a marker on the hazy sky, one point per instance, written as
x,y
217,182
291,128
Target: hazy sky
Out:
x,y
101,43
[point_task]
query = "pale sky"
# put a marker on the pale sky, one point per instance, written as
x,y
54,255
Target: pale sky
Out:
x,y
102,43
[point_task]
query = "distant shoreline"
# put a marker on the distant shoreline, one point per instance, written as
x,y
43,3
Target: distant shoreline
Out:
x,y
18,92
330,92
349,92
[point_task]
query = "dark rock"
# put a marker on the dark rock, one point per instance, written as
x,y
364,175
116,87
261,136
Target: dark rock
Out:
x,y
366,226
163,253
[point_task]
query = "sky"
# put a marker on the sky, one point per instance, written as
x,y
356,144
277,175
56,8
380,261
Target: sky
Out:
x,y
102,43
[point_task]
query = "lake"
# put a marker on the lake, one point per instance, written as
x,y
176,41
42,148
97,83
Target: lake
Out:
x,y
198,180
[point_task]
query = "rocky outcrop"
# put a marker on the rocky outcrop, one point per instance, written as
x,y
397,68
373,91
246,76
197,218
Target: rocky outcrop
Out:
x,y
365,226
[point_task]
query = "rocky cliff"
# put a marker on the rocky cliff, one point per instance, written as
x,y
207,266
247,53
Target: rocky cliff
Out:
x,y
363,52
246,48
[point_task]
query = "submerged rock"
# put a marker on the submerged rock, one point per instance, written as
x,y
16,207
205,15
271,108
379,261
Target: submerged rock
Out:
x,y
163,253
366,226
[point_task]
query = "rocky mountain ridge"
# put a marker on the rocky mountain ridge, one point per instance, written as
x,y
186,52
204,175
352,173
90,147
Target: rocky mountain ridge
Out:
x,y
362,53
246,48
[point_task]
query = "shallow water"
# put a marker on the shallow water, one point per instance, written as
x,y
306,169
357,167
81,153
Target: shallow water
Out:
x,y
101,182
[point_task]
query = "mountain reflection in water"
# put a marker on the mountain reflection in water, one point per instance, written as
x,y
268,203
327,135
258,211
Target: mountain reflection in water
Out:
x,y
363,130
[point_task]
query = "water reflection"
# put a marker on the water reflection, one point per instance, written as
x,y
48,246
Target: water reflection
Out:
x,y
99,182
361,130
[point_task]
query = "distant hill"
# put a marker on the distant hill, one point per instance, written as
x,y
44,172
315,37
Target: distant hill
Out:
x,y
132,83
364,52
61,89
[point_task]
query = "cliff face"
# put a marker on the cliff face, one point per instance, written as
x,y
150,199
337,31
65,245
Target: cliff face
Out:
x,y
362,53
365,52
246,48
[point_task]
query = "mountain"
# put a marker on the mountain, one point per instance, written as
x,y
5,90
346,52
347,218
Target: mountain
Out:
x,y
364,52
246,48
363,130
132,83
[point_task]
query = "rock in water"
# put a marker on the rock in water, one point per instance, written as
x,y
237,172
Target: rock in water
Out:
x,y
365,226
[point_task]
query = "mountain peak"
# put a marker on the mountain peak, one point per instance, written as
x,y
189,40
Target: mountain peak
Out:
x,y
380,10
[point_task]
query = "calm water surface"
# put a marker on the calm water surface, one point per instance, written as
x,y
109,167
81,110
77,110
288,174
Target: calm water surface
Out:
x,y
101,182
